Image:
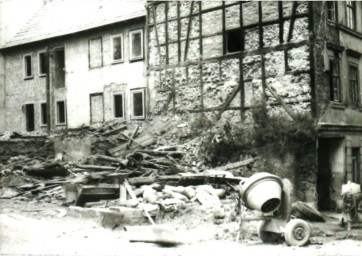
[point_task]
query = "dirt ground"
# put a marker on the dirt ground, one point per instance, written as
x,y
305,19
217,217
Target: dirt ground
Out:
x,y
34,228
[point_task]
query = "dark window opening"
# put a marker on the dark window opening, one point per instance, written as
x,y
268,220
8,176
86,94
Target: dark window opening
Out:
x,y
351,14
233,41
59,68
43,63
334,81
29,116
353,85
117,48
138,104
60,112
356,174
118,105
28,68
43,114
331,10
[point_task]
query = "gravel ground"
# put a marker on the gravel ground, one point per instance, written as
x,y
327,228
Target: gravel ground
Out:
x,y
45,229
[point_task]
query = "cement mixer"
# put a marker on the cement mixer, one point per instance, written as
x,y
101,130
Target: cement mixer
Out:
x,y
271,196
352,197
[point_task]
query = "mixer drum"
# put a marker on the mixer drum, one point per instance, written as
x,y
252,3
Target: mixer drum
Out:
x,y
262,192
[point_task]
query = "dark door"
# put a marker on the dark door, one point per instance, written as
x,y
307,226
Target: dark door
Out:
x,y
29,117
324,175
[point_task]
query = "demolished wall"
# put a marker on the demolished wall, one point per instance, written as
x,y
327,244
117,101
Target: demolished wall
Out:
x,y
191,70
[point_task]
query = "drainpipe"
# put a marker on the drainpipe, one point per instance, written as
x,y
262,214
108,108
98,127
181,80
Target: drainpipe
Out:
x,y
48,90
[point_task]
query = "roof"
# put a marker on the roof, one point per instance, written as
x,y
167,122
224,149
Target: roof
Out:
x,y
62,17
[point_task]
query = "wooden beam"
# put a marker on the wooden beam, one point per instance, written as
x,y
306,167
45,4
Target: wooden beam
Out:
x,y
228,101
281,22
260,11
155,22
223,28
188,30
200,31
178,32
292,20
285,106
166,31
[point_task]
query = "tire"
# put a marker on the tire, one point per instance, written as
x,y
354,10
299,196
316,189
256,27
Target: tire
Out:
x,y
267,236
297,232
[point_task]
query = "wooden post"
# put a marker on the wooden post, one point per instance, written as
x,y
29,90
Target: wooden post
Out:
x,y
47,90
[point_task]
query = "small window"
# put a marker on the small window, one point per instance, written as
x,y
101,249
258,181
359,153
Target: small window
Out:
x,y
118,105
43,114
43,64
117,48
356,163
95,53
136,44
28,70
233,41
138,104
351,14
353,85
334,81
29,117
60,112
331,10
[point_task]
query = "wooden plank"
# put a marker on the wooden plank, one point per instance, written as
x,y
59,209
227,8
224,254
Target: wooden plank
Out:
x,y
95,167
133,136
141,142
134,197
281,22
236,165
114,131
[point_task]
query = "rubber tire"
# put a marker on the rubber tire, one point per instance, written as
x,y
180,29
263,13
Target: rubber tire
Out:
x,y
267,236
297,225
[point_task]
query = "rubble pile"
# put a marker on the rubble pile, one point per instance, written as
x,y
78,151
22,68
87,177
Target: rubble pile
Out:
x,y
152,166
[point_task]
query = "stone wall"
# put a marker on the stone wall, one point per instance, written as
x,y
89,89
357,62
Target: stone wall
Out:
x,y
192,71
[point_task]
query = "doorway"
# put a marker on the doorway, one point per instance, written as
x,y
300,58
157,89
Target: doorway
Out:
x,y
324,175
29,117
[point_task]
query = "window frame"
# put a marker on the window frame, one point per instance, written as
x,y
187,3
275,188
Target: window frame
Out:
x,y
130,33
114,106
332,77
356,66
132,92
25,66
113,61
351,6
335,6
41,114
57,113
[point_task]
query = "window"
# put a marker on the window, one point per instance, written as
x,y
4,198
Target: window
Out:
x,y
60,112
331,10
43,64
28,71
353,85
95,53
59,68
29,117
137,102
351,14
118,105
43,114
117,48
334,81
136,44
233,41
